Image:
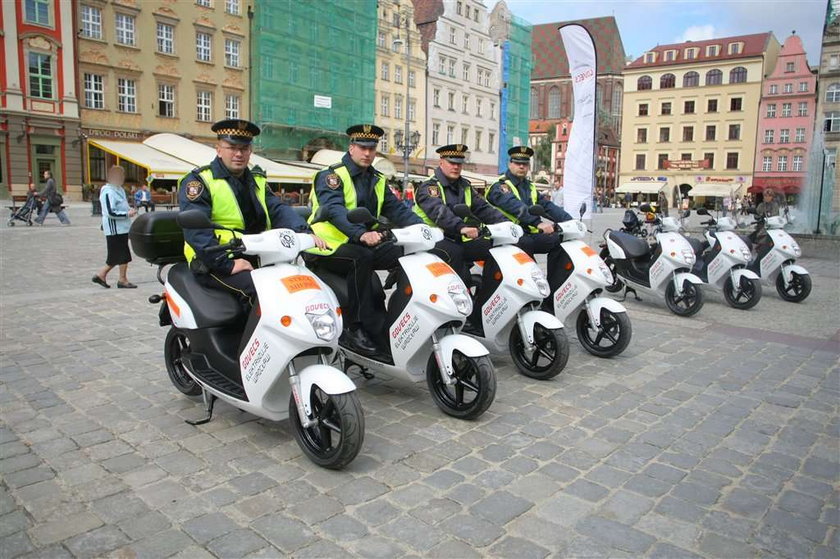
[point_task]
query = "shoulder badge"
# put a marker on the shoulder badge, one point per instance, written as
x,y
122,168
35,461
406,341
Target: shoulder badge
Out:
x,y
434,191
504,188
194,190
333,181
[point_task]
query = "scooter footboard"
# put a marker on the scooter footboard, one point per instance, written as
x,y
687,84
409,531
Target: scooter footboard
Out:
x,y
464,344
531,318
329,379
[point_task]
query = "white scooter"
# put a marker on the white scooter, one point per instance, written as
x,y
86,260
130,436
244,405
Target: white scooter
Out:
x,y
603,327
216,350
722,262
662,270
421,324
510,315
775,260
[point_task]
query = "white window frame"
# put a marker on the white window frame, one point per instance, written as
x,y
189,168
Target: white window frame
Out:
x,y
126,95
450,134
767,164
491,140
803,87
233,7
412,78
385,105
203,52
478,142
125,29
398,106
436,134
832,93
44,80
165,33
398,74
787,109
94,86
771,110
412,109
784,136
796,164
233,49
91,18
712,50
799,136
465,72
781,163
232,106
774,89
204,3
769,136
442,65
788,88
802,109
204,105
166,94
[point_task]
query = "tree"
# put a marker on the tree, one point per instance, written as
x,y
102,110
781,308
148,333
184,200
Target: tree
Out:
x,y
542,151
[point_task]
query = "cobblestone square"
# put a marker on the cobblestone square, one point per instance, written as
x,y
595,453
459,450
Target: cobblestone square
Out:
x,y
715,436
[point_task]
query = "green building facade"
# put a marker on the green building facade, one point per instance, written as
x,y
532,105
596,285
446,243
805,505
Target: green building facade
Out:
x,y
516,96
313,71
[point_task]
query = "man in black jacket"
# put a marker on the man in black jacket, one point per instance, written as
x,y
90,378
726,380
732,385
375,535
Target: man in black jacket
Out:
x,y
52,201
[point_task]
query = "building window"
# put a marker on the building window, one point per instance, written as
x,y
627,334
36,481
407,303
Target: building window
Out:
x,y
664,135
686,157
535,104
735,48
771,110
690,54
734,131
774,89
451,98
436,98
492,111
803,109
711,132
442,65
166,100
688,134
666,108
94,91
641,136
787,108
481,46
467,41
465,100
661,160
435,134
643,109
714,77
738,75
688,107
691,79
384,71
468,11
165,38
788,88
491,142
784,136
803,87
398,74
383,142
232,53
781,163
800,136
667,81
450,134
478,140
412,109
385,105
452,36
710,157
644,82
831,122
37,12
478,107
204,3
203,43
834,61
797,163
465,72
91,22
650,57
735,104
398,106
789,67
232,106
769,135
766,163
711,106
40,75
126,95
712,50
452,62
380,39
460,8
124,24
640,161
203,106
832,94
411,78
732,160
554,102
232,7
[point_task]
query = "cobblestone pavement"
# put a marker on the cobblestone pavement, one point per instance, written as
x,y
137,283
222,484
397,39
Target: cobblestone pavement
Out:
x,y
715,436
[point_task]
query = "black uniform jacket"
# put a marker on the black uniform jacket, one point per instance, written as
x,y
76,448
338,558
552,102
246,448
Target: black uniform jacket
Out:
x,y
502,197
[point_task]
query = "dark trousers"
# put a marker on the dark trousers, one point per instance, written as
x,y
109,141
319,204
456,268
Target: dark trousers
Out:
x,y
147,205
241,285
540,243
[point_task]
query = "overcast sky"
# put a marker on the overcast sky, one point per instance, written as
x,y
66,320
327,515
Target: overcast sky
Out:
x,y
646,23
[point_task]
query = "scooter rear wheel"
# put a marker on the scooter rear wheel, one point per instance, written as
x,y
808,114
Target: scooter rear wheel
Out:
x,y
798,289
747,297
550,354
686,304
473,390
336,438
174,348
612,338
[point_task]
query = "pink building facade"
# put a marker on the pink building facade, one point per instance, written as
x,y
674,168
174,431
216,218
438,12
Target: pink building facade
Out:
x,y
786,122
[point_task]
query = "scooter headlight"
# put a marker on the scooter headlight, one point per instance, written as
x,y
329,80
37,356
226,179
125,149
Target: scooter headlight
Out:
x,y
605,271
324,325
539,279
458,294
797,252
745,252
688,256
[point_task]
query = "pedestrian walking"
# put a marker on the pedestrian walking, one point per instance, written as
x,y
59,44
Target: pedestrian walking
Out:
x,y
53,201
662,203
116,220
628,199
557,193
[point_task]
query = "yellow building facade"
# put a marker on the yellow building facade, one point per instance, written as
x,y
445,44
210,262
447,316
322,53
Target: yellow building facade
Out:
x,y
400,87
690,118
151,66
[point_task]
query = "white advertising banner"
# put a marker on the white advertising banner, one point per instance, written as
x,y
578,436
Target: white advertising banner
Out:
x,y
579,174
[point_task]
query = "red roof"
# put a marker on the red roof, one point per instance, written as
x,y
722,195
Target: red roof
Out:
x,y
550,56
754,45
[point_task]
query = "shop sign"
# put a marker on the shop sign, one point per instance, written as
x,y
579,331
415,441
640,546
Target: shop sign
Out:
x,y
648,179
112,134
685,165
720,180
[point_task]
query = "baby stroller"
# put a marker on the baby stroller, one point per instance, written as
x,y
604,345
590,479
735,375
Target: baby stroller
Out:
x,y
27,211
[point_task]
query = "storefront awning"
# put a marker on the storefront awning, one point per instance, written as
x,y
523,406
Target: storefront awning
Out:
x,y
198,154
715,189
158,164
645,187
326,157
788,185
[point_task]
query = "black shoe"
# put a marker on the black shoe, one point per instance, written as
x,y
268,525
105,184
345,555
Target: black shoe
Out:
x,y
357,339
126,285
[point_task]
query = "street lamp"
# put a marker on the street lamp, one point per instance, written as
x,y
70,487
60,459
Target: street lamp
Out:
x,y
405,141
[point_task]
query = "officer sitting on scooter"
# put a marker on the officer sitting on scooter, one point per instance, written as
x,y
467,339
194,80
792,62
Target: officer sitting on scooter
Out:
x,y
513,194
353,250
237,198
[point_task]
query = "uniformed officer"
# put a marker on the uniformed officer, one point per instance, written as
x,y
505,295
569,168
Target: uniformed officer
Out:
x,y
238,198
354,250
513,194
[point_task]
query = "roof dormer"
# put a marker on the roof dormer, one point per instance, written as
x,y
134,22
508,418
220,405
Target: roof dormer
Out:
x,y
712,50
735,48
650,57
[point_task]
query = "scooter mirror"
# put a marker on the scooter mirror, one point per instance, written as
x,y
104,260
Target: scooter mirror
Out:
x,y
537,210
644,208
462,211
195,219
361,216
582,208
702,211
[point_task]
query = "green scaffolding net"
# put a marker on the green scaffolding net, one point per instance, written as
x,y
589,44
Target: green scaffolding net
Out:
x,y
518,84
314,64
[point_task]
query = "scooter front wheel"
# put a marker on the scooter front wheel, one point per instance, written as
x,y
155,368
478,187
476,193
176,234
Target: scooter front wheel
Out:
x,y
747,297
549,356
339,430
688,303
175,347
472,391
797,290
610,339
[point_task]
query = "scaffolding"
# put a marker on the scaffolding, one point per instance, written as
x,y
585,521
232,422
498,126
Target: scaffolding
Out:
x,y
313,73
517,64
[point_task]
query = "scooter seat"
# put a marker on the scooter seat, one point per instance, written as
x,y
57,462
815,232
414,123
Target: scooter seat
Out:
x,y
697,245
632,246
210,307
